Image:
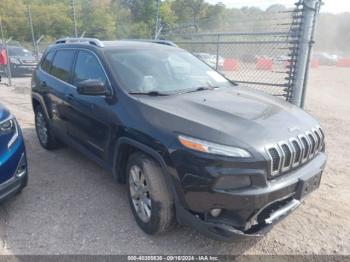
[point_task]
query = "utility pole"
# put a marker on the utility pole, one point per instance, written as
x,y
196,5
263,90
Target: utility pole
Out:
x,y
304,48
32,30
312,40
157,21
74,19
9,75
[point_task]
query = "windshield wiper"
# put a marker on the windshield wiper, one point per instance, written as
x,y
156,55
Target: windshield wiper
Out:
x,y
233,82
151,93
202,88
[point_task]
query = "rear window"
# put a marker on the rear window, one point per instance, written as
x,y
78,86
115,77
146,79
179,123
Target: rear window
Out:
x,y
62,64
46,63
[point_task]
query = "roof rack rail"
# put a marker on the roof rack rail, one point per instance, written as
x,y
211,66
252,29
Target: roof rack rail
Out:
x,y
91,41
164,42
161,42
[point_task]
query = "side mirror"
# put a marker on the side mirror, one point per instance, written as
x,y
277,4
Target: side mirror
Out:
x,y
92,88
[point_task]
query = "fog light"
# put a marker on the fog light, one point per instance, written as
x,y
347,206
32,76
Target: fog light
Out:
x,y
232,182
215,212
22,167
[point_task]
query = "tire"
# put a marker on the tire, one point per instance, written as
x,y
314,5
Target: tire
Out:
x,y
44,133
161,217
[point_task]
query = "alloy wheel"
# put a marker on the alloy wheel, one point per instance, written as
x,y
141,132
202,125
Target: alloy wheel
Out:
x,y
140,195
41,127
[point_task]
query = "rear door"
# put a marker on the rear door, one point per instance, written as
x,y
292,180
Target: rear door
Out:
x,y
90,116
54,85
60,85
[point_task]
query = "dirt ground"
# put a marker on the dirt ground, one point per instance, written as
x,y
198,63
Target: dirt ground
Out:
x,y
72,206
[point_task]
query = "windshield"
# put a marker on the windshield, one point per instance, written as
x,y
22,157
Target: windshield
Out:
x,y
18,51
162,70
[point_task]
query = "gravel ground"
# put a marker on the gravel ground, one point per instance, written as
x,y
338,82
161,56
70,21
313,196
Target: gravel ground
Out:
x,y
72,206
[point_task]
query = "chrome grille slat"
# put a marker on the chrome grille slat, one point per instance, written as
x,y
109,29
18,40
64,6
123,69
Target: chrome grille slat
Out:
x,y
322,136
306,145
298,151
287,155
318,139
312,141
275,165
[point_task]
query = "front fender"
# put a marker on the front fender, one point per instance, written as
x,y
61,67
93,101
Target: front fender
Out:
x,y
171,178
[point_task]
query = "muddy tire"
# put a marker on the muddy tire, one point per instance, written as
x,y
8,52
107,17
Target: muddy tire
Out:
x,y
149,196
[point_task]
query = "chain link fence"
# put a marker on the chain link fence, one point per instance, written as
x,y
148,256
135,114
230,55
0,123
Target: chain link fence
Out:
x,y
259,60
269,52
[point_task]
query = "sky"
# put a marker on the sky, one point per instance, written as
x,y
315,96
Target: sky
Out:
x,y
332,6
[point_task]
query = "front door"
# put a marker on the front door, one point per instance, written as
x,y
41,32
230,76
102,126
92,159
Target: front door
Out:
x,y
90,117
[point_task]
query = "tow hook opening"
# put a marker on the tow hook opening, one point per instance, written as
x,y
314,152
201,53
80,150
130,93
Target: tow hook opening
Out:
x,y
272,214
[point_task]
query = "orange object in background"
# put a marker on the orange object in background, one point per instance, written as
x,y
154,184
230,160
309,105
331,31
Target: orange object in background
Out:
x,y
231,64
286,64
264,64
343,62
3,57
314,63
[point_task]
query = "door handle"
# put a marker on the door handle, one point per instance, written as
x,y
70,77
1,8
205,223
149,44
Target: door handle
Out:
x,y
43,84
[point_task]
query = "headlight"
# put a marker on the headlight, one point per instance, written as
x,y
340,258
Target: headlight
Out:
x,y
9,127
14,60
212,148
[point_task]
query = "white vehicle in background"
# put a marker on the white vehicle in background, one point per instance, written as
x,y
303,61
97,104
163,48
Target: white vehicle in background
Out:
x,y
210,60
326,59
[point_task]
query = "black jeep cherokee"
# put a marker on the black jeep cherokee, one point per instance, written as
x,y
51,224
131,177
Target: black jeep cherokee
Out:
x,y
191,146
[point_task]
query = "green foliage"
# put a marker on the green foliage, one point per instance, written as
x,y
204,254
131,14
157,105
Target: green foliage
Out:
x,y
96,19
120,19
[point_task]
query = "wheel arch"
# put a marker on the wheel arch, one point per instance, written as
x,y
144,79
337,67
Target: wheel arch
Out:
x,y
38,101
126,146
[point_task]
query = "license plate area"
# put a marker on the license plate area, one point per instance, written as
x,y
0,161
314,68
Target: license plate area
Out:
x,y
308,185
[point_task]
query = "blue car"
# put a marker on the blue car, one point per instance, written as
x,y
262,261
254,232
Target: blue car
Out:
x,y
13,161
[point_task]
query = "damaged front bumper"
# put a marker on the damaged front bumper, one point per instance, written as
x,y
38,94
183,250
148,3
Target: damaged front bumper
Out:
x,y
226,232
267,206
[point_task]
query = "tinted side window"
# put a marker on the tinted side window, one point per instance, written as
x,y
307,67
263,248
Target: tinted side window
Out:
x,y
87,67
62,64
46,63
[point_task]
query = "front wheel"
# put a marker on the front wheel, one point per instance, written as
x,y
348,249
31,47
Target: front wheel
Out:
x,y
149,197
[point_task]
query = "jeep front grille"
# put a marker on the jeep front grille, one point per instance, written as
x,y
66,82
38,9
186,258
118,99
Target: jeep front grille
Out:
x,y
287,155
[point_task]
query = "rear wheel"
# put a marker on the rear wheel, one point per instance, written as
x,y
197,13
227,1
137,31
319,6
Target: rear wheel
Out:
x,y
45,135
149,197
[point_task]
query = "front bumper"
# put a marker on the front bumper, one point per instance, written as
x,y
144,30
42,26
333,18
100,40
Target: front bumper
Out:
x,y
13,169
249,212
12,187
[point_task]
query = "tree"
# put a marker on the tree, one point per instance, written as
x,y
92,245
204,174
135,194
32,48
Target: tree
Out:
x,y
167,15
111,19
190,10
96,20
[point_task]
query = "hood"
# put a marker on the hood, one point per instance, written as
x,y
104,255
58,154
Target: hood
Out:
x,y
231,116
4,113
